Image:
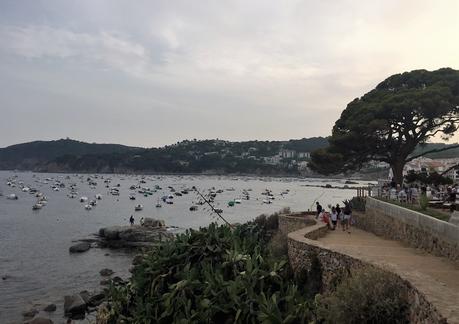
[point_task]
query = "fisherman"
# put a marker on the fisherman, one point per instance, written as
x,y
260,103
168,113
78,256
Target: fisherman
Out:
x,y
131,220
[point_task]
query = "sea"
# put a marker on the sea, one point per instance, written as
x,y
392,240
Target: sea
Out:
x,y
36,267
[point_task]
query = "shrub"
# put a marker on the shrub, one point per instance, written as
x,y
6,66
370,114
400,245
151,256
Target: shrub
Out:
x,y
423,202
369,296
213,275
358,203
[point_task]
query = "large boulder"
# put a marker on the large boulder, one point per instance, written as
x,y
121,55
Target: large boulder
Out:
x,y
111,233
106,272
151,222
136,233
74,305
50,308
80,247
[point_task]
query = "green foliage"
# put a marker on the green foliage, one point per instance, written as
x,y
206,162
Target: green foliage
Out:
x,y
213,275
436,213
434,178
354,302
390,121
423,202
358,203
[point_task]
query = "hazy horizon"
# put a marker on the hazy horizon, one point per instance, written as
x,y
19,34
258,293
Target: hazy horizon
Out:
x,y
151,73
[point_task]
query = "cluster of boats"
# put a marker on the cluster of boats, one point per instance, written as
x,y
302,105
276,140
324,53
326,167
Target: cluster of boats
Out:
x,y
140,188
41,198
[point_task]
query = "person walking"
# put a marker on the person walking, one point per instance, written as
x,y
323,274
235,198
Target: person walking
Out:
x,y
347,217
319,209
339,212
131,220
334,218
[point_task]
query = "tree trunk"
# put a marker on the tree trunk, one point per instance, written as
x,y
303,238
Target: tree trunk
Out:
x,y
397,170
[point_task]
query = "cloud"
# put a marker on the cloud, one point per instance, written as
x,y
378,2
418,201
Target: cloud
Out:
x,y
288,68
105,49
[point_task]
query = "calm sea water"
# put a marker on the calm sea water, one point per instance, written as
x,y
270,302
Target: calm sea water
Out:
x,y
34,244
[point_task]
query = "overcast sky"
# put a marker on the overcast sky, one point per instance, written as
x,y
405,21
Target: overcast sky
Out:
x,y
149,73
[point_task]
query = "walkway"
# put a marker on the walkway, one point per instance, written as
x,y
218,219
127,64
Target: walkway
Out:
x,y
436,277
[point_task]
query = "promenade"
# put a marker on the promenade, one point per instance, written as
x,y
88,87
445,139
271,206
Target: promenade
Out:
x,y
436,277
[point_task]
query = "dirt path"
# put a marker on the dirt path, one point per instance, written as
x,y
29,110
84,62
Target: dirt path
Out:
x,y
436,277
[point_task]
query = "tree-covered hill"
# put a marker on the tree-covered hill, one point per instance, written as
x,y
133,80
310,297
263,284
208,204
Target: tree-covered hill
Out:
x,y
188,156
25,155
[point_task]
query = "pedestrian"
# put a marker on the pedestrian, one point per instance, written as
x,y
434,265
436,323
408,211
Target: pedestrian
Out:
x,y
319,209
347,215
340,214
131,220
334,218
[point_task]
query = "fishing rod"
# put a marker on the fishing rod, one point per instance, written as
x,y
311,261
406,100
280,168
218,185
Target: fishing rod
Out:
x,y
317,199
213,209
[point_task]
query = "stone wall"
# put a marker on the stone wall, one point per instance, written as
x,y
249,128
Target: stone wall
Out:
x,y
417,230
295,221
337,266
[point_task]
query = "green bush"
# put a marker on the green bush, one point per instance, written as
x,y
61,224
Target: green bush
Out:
x,y
423,202
369,296
212,275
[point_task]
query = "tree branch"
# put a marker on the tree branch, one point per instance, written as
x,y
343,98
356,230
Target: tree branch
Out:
x,y
432,151
449,169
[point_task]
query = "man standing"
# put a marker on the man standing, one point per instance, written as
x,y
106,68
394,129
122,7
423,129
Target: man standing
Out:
x,y
131,220
319,209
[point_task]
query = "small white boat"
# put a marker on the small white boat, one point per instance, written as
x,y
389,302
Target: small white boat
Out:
x,y
98,197
12,197
87,207
158,205
37,206
193,208
83,199
138,207
237,201
267,201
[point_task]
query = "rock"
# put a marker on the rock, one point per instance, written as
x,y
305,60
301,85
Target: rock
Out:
x,y
105,282
151,222
30,313
106,272
137,259
85,295
96,299
80,247
50,308
111,233
117,280
74,305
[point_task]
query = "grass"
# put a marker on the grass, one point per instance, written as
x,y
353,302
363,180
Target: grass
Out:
x,y
438,214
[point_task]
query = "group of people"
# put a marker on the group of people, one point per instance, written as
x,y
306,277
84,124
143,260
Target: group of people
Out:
x,y
336,217
412,193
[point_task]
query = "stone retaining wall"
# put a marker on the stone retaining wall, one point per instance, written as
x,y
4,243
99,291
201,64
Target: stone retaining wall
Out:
x,y
337,266
417,230
295,221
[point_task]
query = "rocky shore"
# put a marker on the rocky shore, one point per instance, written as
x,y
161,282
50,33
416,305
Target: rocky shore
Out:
x,y
83,306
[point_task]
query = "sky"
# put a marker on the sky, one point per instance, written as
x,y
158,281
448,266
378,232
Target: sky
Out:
x,y
151,73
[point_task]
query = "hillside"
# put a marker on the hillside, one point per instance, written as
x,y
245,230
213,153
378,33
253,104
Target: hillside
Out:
x,y
204,156
29,155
